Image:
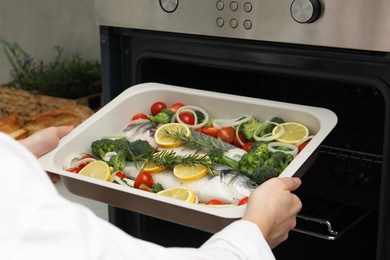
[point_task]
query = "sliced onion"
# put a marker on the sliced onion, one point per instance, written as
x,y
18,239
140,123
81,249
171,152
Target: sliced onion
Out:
x,y
191,112
269,137
238,136
293,152
76,161
304,140
193,109
221,123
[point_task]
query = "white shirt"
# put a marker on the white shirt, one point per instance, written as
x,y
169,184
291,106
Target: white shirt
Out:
x,y
37,223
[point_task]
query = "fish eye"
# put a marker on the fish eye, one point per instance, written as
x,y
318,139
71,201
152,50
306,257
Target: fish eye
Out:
x,y
252,184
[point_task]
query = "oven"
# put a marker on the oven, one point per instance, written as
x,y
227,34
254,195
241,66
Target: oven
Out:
x,y
325,53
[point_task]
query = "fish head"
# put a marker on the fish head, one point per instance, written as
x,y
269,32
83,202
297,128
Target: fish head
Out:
x,y
236,184
142,131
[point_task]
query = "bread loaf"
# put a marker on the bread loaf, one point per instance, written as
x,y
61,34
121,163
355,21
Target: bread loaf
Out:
x,y
74,115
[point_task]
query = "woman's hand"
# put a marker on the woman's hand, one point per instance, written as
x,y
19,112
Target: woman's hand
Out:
x,y
45,140
273,208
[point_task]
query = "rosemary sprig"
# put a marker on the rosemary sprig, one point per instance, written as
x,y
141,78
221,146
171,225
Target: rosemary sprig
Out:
x,y
201,142
169,158
216,147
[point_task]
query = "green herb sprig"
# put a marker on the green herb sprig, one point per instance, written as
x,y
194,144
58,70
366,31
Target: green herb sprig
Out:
x,y
169,158
215,147
200,142
68,76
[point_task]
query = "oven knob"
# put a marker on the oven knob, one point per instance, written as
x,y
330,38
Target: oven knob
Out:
x,y
305,11
169,5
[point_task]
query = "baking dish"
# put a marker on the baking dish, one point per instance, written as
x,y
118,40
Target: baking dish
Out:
x,y
114,117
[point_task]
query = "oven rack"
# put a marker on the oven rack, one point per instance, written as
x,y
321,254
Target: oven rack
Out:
x,y
338,192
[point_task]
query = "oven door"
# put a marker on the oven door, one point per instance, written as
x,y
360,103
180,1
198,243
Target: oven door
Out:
x,y
345,194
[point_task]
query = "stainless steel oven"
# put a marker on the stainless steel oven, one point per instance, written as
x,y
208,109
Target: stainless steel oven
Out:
x,y
328,53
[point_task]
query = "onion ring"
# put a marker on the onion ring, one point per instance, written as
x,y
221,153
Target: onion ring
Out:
x,y
193,109
221,123
293,152
269,137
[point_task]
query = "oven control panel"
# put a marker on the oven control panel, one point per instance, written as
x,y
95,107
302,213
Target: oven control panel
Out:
x,y
353,24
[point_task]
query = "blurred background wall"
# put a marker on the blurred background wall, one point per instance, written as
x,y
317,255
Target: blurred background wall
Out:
x,y
39,25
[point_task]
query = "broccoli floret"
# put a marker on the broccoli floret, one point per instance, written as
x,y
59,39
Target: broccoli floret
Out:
x,y
155,188
259,164
279,161
118,146
103,146
277,119
123,149
164,117
218,156
261,149
248,128
249,162
138,150
118,161
263,174
199,116
267,128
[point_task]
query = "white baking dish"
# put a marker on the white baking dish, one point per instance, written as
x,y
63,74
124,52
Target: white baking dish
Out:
x,y
114,116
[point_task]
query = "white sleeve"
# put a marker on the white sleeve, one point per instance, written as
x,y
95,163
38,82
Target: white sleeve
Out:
x,y
37,223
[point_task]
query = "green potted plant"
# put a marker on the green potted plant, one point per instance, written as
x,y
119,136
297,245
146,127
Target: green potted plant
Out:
x,y
69,77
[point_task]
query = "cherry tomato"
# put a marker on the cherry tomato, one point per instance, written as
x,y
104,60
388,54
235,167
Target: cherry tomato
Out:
x,y
82,165
247,146
176,106
226,134
73,169
86,156
210,130
214,202
243,201
157,107
120,174
236,142
187,118
144,178
139,116
302,145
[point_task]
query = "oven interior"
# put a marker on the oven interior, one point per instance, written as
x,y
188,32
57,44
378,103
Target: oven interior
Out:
x,y
341,192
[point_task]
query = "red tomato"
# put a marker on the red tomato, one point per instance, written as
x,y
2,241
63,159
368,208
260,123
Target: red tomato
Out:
x,y
120,174
86,156
73,169
139,116
226,134
176,106
210,130
243,201
82,165
236,142
247,146
187,118
302,145
157,107
214,202
144,178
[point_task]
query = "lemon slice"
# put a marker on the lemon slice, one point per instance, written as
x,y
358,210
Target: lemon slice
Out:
x,y
180,193
151,167
166,141
97,169
187,172
294,132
